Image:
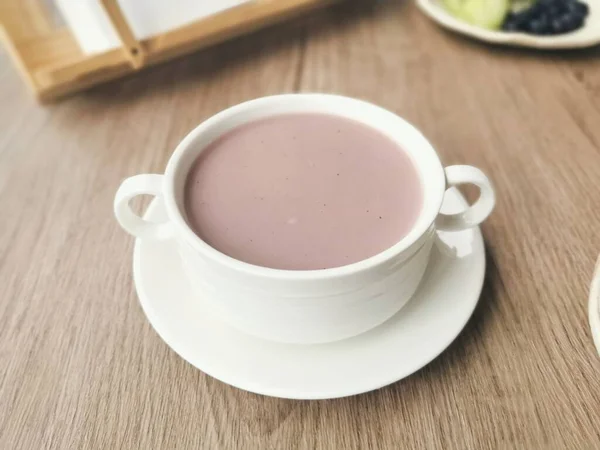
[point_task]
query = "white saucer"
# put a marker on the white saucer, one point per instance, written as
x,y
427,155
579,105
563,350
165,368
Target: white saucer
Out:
x,y
388,353
587,36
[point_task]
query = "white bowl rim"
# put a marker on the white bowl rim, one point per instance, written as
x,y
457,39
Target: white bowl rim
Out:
x,y
431,208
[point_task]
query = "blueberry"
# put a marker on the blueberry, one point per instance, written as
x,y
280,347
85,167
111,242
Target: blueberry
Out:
x,y
558,26
578,22
572,22
535,10
554,5
581,8
538,26
548,17
522,18
545,24
510,25
574,7
545,17
554,9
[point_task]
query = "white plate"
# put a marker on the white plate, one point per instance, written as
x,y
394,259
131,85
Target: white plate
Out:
x,y
388,353
594,306
586,36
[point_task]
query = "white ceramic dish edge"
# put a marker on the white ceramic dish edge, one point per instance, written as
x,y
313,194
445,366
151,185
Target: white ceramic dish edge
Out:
x,y
476,273
594,306
587,36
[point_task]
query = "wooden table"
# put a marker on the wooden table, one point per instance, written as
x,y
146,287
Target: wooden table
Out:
x,y
80,366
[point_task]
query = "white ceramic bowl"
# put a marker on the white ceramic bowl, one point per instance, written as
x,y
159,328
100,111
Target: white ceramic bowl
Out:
x,y
587,36
305,306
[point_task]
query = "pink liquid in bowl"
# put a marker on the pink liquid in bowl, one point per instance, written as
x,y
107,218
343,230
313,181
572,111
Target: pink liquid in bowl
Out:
x,y
303,192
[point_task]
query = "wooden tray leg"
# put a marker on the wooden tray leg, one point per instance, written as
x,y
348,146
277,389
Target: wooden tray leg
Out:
x,y
131,46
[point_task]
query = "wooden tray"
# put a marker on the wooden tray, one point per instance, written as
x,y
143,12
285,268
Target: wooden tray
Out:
x,y
53,65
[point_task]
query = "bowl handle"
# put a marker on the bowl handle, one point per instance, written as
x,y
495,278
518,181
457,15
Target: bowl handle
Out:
x,y
151,184
475,214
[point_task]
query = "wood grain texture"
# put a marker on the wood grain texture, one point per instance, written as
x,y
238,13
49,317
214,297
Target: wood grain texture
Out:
x,y
81,368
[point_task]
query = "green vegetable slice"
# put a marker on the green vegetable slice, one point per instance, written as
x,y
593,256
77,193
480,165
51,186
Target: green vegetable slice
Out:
x,y
487,14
